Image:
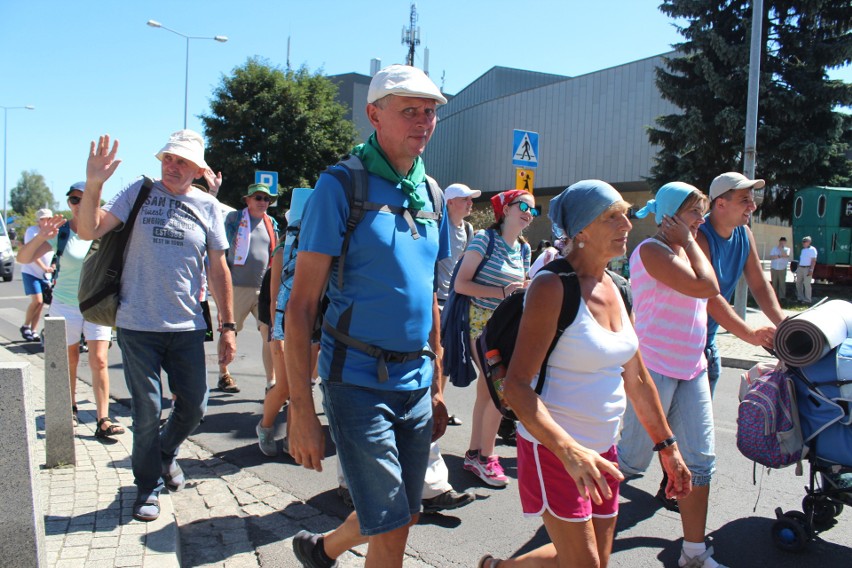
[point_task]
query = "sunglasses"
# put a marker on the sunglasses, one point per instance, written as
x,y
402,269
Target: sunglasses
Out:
x,y
259,197
524,207
74,200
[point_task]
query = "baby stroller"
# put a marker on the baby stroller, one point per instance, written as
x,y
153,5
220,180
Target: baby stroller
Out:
x,y
825,413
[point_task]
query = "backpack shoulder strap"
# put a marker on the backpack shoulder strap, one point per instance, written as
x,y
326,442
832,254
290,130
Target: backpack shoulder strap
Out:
x,y
354,179
567,314
126,229
437,196
623,288
468,231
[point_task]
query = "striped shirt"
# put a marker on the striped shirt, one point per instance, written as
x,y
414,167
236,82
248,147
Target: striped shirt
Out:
x,y
507,264
671,326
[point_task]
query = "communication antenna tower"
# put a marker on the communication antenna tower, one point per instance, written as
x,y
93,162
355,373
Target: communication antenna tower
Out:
x,y
411,35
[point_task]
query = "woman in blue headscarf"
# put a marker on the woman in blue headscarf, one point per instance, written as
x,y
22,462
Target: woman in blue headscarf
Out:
x,y
567,458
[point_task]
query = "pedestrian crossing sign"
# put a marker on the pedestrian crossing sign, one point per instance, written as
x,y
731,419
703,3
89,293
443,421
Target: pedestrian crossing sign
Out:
x,y
525,149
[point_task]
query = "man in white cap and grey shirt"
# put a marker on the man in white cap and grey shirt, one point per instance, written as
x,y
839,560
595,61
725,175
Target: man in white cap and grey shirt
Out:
x,y
729,244
160,322
381,329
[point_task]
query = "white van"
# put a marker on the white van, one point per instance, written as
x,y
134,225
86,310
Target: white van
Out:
x,y
7,256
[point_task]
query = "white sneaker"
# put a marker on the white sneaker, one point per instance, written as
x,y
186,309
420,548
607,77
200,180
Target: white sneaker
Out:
x,y
703,560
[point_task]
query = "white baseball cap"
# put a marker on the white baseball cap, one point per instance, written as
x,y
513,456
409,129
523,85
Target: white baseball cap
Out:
x,y
187,144
42,213
732,180
403,81
460,190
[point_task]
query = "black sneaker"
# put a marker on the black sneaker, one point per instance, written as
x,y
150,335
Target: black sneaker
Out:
x,y
308,549
507,431
345,496
447,500
668,503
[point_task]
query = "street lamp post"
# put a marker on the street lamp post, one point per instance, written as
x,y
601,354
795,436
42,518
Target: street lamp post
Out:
x,y
6,145
219,38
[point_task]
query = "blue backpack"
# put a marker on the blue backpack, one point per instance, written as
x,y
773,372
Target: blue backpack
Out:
x,y
354,179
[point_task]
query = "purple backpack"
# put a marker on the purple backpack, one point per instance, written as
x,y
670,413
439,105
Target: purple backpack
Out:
x,y
768,429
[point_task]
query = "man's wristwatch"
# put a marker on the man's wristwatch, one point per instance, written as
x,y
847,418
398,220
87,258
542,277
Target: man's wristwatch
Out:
x,y
232,326
665,444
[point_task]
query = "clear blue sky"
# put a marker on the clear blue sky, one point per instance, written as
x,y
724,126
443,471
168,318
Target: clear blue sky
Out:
x,y
92,67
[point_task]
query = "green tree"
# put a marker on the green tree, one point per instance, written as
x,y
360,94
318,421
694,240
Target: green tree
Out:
x,y
802,139
31,192
263,118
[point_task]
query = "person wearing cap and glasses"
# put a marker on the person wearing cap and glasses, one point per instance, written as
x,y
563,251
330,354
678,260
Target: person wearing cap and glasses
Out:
x,y
65,304
383,412
805,271
36,277
252,236
729,244
160,322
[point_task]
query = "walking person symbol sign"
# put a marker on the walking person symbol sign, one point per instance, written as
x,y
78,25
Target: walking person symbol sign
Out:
x,y
525,149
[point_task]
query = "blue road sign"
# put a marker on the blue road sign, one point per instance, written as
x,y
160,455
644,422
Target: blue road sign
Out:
x,y
267,178
525,149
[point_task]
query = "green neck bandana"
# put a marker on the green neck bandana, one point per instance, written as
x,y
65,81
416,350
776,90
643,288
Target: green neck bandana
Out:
x,y
377,163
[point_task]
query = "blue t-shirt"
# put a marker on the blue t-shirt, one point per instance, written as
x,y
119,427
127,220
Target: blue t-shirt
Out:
x,y
728,257
388,281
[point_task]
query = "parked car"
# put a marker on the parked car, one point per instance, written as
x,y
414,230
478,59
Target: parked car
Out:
x,y
7,255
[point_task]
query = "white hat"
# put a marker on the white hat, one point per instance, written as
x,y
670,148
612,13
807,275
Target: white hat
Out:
x,y
460,190
732,180
403,81
42,213
187,144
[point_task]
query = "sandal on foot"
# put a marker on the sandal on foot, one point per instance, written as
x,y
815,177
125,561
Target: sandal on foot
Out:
x,y
108,432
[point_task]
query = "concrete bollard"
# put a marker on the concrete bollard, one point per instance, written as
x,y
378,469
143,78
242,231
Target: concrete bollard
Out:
x,y
21,512
58,429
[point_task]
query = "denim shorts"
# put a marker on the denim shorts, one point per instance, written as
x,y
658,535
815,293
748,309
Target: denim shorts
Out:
x,y
382,440
689,411
33,285
714,365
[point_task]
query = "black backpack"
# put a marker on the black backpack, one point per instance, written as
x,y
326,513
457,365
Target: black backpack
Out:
x,y
496,345
354,179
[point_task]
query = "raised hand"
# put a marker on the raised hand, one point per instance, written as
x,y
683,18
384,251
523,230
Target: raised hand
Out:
x,y
214,181
102,161
50,227
675,231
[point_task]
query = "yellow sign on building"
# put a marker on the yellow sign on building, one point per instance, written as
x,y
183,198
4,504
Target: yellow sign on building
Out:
x,y
525,178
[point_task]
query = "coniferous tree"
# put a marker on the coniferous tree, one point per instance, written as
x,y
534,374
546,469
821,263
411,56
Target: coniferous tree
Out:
x,y
263,118
802,139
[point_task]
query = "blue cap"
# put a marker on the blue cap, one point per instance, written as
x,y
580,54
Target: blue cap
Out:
x,y
578,205
79,186
667,201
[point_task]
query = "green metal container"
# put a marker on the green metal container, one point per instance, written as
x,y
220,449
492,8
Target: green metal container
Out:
x,y
825,214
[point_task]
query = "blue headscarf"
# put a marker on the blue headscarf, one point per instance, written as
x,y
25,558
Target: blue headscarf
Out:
x,y
578,205
667,201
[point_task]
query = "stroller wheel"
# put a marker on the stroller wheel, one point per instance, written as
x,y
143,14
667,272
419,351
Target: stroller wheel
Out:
x,y
824,510
789,534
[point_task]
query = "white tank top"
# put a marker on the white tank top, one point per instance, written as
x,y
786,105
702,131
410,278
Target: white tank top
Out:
x,y
584,391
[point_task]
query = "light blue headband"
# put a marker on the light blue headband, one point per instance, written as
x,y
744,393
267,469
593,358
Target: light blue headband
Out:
x,y
667,201
578,205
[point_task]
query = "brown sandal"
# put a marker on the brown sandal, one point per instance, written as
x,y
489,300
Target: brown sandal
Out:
x,y
109,431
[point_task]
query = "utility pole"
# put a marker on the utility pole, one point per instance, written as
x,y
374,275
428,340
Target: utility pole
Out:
x,y
411,35
750,150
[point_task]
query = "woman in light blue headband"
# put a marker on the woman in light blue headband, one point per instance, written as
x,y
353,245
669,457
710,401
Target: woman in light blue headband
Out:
x,y
672,280
567,458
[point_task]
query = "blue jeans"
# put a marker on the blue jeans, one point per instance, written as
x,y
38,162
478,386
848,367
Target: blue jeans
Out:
x,y
689,411
714,364
144,355
382,440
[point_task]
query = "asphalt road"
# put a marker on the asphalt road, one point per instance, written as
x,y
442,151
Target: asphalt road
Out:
x,y
739,523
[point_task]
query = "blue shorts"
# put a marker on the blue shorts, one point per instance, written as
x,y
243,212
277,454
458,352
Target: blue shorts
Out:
x,y
33,285
382,440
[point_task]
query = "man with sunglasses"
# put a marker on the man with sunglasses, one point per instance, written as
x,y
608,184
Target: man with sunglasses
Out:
x,y
252,236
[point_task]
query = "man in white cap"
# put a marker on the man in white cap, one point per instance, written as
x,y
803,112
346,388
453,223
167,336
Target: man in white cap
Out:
x,y
728,242
36,276
383,407
252,235
805,271
160,322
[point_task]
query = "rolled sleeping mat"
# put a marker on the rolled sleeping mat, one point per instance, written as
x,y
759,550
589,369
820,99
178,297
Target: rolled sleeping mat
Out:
x,y
804,339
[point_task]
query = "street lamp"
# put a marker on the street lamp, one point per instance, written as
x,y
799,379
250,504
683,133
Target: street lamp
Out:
x,y
219,38
6,145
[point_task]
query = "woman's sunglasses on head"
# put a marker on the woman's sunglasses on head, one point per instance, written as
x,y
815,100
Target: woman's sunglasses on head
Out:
x,y
524,207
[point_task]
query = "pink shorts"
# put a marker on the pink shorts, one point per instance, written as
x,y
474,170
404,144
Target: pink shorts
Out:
x,y
545,485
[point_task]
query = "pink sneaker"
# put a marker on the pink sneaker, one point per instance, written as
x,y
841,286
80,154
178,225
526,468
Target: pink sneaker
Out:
x,y
490,471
